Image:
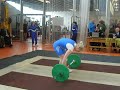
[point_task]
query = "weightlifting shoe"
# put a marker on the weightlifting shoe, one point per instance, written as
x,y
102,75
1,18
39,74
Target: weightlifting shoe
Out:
x,y
70,70
36,45
33,45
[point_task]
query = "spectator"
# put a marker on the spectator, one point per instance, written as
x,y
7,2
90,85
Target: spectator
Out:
x,y
7,38
116,35
74,31
117,32
25,25
102,28
97,28
33,31
91,27
118,25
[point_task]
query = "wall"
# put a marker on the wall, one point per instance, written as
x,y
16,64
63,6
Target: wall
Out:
x,y
12,12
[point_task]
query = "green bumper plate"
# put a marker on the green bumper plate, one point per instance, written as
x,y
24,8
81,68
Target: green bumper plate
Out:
x,y
77,61
60,73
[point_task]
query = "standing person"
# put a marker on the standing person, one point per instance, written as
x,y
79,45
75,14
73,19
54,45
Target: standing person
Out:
x,y
33,31
74,31
25,25
102,28
91,27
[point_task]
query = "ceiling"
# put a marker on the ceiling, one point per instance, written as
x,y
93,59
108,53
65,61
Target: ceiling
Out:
x,y
35,4
54,5
59,5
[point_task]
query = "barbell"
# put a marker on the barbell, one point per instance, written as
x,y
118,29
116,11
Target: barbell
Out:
x,y
61,73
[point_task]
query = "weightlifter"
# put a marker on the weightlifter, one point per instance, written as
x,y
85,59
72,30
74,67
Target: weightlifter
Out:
x,y
64,47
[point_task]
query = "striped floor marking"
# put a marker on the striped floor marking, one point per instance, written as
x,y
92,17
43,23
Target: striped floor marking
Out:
x,y
79,75
86,76
34,82
3,87
83,66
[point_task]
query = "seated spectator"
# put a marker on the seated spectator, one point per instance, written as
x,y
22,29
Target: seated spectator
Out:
x,y
116,35
25,25
110,36
2,43
7,37
117,32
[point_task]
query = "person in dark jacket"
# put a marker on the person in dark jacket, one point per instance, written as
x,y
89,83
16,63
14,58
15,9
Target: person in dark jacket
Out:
x,y
74,31
102,28
7,38
117,32
25,27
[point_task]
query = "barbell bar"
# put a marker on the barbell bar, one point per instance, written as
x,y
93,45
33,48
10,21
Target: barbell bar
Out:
x,y
61,73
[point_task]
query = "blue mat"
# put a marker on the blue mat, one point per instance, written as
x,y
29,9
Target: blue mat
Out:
x,y
18,58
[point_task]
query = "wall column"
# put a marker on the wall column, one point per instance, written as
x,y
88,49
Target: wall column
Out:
x,y
21,21
107,20
43,22
84,14
74,10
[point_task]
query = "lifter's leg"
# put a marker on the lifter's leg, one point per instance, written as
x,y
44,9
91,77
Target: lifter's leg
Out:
x,y
61,60
64,63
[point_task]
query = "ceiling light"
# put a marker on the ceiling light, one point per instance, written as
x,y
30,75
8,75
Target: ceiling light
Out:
x,y
96,9
116,7
47,1
41,0
116,4
71,9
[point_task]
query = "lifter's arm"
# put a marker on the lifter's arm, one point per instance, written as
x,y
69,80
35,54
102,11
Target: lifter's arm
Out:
x,y
64,61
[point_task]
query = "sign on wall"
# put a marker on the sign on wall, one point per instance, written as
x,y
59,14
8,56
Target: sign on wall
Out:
x,y
58,21
111,8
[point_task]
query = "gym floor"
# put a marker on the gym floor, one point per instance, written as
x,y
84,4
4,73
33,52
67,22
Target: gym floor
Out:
x,y
25,47
35,73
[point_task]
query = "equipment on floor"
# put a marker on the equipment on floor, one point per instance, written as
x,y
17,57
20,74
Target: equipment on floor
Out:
x,y
61,73
5,19
2,42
